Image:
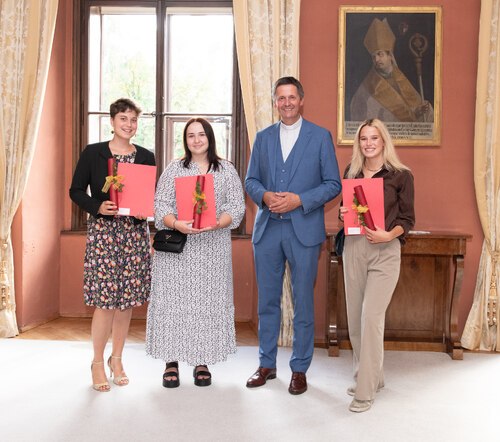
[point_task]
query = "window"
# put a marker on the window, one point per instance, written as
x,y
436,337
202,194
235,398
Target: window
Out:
x,y
175,59
121,63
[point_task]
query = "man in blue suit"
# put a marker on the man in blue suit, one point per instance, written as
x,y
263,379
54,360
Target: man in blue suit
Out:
x,y
292,173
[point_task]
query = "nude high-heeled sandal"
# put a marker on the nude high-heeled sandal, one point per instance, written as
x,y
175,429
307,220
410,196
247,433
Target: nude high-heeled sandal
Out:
x,y
102,387
121,379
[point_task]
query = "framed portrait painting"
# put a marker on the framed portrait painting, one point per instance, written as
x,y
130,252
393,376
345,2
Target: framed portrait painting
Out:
x,y
390,69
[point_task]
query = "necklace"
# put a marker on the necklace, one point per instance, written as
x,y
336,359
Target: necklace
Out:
x,y
119,149
373,170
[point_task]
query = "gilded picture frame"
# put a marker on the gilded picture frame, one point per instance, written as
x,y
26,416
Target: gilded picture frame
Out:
x,y
390,68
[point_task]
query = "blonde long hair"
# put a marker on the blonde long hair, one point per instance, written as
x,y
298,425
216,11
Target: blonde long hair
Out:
x,y
391,160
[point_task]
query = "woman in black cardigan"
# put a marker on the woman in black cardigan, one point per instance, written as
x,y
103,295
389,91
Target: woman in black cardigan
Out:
x,y
117,256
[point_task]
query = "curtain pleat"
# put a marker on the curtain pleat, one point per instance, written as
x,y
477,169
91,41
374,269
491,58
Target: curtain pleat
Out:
x,y
481,330
26,35
267,43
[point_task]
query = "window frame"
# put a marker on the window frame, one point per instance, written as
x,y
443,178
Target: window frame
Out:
x,y
239,135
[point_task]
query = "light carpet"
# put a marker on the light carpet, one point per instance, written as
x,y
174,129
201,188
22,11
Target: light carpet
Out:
x,y
45,395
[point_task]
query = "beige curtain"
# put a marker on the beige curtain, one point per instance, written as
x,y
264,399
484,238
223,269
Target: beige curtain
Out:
x,y
267,42
26,34
481,329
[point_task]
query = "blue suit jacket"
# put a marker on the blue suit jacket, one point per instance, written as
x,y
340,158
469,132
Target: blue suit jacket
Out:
x,y
314,176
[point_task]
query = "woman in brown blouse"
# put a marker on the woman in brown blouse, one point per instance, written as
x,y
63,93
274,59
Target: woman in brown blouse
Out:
x,y
372,261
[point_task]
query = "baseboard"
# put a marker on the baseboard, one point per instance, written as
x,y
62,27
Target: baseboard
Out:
x,y
27,327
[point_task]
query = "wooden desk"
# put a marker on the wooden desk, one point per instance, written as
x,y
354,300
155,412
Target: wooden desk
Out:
x,y
423,313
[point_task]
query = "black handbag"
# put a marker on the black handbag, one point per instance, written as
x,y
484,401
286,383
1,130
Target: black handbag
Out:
x,y
339,242
167,240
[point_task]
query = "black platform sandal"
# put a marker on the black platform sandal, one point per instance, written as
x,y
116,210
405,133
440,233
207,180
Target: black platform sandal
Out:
x,y
171,383
198,380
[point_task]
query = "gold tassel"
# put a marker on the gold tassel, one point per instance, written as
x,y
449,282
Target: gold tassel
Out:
x,y
286,330
115,181
493,296
4,281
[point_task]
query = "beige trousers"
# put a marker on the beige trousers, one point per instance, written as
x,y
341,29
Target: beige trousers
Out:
x,y
371,272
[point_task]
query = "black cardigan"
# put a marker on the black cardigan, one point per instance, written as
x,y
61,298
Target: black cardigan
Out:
x,y
92,169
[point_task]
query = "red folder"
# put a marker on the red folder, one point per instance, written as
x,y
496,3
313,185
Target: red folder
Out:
x,y
373,191
185,187
138,193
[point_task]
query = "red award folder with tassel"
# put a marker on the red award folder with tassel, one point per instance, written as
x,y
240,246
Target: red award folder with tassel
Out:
x,y
364,198
195,200
138,193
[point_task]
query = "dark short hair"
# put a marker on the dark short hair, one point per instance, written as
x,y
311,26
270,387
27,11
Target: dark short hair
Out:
x,y
123,105
213,158
288,80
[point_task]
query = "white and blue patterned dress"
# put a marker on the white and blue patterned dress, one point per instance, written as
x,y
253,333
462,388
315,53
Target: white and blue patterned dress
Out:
x,y
191,310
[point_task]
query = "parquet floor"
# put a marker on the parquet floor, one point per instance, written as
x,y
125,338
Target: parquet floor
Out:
x,y
78,329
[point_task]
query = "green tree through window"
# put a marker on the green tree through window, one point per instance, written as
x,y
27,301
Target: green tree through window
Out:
x,y
175,59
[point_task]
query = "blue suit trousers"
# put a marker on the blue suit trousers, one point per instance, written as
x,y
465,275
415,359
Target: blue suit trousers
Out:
x,y
279,244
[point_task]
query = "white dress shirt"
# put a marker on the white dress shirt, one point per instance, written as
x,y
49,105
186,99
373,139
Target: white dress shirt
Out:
x,y
288,137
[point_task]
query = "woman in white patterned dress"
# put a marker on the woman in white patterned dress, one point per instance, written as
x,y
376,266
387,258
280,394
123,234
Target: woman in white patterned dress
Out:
x,y
191,312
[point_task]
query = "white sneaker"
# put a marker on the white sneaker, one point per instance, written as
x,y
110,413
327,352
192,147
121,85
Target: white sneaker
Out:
x,y
351,391
358,406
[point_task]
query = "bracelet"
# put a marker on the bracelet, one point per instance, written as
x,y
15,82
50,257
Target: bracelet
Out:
x,y
173,225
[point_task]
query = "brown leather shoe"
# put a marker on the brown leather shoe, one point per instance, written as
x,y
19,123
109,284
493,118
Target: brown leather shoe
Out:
x,y
298,383
260,377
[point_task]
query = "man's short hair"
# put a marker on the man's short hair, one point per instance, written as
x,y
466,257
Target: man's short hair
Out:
x,y
288,80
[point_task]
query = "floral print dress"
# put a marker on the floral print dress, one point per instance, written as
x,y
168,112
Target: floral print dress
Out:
x,y
117,260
